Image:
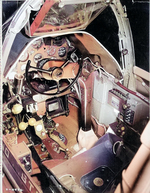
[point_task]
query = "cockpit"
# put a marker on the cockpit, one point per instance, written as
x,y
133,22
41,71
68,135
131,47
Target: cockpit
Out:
x,y
72,115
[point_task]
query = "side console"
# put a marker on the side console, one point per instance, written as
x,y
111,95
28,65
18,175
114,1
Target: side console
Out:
x,y
124,111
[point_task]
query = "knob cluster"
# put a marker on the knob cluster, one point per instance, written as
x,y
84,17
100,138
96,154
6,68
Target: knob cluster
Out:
x,y
23,125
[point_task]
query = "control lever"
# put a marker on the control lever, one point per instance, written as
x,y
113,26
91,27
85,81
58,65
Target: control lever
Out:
x,y
86,135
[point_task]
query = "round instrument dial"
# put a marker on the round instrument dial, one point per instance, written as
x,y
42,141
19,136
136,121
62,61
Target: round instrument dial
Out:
x,y
37,57
62,51
24,57
37,43
51,51
39,127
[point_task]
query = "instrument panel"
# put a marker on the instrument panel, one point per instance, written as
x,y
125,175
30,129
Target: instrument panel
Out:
x,y
47,65
52,48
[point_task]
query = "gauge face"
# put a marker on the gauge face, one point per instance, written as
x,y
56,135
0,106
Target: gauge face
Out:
x,y
23,67
24,57
62,51
37,57
51,51
39,127
37,44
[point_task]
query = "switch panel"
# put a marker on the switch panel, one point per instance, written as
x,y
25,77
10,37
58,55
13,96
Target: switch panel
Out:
x,y
116,99
23,153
